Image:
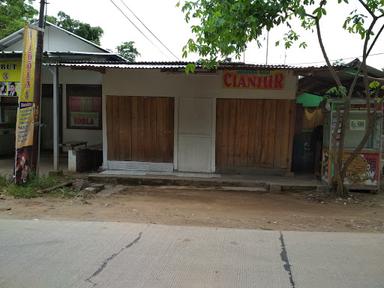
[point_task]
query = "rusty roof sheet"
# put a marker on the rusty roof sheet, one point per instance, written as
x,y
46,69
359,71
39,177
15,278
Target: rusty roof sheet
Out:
x,y
178,65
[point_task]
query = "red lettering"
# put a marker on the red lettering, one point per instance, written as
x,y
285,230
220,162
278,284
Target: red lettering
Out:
x,y
235,83
251,81
268,82
259,81
227,79
83,121
236,79
242,81
279,81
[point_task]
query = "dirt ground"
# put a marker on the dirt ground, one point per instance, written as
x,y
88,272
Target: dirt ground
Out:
x,y
305,211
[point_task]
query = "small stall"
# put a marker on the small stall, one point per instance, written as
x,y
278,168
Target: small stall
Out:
x,y
308,136
365,171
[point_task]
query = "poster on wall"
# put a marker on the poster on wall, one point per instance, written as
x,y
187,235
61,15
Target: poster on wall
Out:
x,y
364,170
10,78
26,108
84,112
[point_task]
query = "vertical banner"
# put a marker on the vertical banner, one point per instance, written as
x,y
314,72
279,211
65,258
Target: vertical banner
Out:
x,y
26,117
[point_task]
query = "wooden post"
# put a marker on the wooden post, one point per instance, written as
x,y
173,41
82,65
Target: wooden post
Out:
x,y
37,100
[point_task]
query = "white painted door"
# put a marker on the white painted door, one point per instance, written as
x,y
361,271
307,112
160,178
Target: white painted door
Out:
x,y
195,134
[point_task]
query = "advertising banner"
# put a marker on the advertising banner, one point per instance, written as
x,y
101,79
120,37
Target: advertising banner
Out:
x,y
28,65
26,109
84,112
10,77
25,126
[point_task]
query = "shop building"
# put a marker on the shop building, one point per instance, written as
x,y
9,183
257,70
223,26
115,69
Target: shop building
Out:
x,y
152,116
236,119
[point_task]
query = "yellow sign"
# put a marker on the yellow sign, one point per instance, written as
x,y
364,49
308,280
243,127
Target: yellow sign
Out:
x,y
10,77
28,65
24,125
10,70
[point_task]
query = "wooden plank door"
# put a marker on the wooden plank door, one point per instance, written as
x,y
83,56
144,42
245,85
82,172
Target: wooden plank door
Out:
x,y
253,133
140,128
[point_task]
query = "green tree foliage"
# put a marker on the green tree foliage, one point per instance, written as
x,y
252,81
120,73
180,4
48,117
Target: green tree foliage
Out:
x,y
128,51
77,27
225,27
14,14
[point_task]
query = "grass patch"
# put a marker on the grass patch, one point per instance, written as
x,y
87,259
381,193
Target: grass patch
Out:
x,y
21,191
3,181
64,192
34,185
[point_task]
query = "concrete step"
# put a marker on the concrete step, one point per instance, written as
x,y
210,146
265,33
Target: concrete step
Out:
x,y
226,184
260,184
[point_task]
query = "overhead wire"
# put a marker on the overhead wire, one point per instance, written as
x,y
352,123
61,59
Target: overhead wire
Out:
x,y
137,28
149,30
339,59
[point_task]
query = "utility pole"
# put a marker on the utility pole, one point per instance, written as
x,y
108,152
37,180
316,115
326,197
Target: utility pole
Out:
x,y
42,14
267,51
37,98
28,113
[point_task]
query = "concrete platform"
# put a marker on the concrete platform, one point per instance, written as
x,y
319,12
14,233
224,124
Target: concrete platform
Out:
x,y
258,182
46,164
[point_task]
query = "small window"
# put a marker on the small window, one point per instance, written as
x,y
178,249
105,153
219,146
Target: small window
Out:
x,y
84,106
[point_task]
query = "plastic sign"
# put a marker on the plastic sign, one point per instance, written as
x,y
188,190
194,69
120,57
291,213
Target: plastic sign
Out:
x,y
28,65
26,110
10,77
269,80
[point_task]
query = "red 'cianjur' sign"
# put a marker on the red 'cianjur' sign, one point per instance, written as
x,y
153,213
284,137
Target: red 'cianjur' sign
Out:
x,y
255,80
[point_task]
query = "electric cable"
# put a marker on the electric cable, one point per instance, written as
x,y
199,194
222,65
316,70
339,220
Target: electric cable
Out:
x,y
149,30
137,28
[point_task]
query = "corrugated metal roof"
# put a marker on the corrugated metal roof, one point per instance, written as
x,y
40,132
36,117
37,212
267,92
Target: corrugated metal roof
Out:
x,y
114,65
18,35
175,65
71,57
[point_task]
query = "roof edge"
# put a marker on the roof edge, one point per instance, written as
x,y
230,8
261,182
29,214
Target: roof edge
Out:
x,y
19,33
77,36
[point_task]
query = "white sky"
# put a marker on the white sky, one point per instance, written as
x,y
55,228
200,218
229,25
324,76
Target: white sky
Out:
x,y
167,22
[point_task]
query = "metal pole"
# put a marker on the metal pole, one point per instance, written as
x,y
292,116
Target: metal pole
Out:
x,y
55,119
266,52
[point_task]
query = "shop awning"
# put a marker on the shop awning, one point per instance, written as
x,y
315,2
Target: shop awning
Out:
x,y
309,100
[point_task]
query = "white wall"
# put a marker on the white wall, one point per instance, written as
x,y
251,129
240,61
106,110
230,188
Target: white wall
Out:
x,y
69,76
195,113
145,82
58,40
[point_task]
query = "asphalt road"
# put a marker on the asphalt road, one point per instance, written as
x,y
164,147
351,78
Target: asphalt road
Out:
x,y
102,254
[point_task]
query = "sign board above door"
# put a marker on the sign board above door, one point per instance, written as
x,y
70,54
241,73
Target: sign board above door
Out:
x,y
266,80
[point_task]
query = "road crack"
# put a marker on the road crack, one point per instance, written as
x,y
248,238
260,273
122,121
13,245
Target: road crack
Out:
x,y
110,258
284,257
